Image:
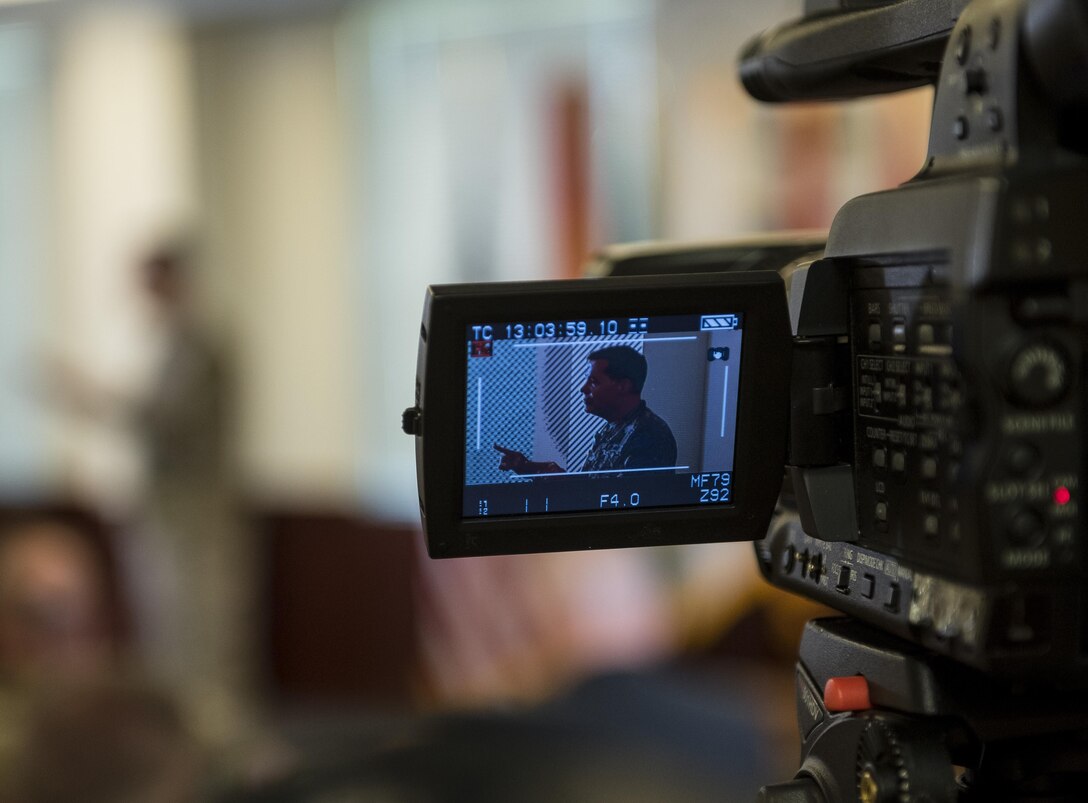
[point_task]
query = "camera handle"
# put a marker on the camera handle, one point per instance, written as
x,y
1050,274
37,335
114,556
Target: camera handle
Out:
x,y
883,720
848,49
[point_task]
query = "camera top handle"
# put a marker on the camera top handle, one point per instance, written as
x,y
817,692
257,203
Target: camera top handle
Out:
x,y
857,48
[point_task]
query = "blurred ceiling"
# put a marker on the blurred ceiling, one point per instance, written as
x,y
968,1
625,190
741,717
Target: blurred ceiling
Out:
x,y
219,9
198,10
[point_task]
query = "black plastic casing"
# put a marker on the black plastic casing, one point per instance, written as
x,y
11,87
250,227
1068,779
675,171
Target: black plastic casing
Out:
x,y
977,559
762,411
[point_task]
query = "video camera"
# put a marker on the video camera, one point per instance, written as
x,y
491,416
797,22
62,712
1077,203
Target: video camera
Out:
x,y
918,382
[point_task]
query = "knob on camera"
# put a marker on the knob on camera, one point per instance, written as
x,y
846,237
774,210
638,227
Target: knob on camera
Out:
x,y
1038,374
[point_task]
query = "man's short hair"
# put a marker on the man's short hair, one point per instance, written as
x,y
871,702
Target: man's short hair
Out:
x,y
623,363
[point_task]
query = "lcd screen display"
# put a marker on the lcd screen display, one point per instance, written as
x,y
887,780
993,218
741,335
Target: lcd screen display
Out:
x,y
600,413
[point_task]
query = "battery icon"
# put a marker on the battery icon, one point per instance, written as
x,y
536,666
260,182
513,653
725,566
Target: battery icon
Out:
x,y
708,322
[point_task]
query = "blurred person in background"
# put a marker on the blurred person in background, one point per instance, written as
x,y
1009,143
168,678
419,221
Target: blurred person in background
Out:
x,y
186,558
200,608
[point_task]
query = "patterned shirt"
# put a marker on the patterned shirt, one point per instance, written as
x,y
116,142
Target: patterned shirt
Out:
x,y
641,440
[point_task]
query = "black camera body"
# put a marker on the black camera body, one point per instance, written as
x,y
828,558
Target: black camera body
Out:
x,y
947,318
503,371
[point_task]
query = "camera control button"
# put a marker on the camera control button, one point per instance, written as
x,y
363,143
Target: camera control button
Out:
x,y
876,336
977,81
868,586
411,421
880,457
899,462
929,468
881,511
963,45
789,560
1027,527
1038,375
899,336
847,694
891,600
961,128
1022,459
842,585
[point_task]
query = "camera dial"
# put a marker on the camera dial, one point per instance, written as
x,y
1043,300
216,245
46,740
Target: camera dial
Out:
x,y
1038,375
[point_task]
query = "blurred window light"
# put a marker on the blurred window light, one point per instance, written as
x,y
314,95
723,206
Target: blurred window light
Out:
x,y
22,294
463,109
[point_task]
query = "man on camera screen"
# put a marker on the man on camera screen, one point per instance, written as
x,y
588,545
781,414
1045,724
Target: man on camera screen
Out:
x,y
633,436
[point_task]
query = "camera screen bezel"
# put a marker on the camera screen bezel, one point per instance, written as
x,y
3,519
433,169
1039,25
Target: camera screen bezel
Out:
x,y
762,411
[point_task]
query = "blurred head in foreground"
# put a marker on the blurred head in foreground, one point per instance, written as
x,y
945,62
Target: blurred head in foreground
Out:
x,y
55,604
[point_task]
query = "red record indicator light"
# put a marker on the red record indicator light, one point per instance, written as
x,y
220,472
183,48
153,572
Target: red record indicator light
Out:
x,y
1062,495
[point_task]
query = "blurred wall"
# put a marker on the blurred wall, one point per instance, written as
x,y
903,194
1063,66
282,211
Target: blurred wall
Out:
x,y
332,163
731,165
275,226
23,203
126,125
329,164
122,158
500,140
717,161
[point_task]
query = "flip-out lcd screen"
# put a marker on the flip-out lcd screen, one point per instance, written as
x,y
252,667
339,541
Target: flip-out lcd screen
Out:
x,y
600,413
